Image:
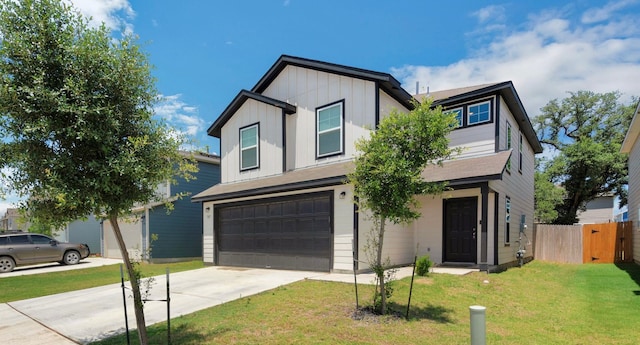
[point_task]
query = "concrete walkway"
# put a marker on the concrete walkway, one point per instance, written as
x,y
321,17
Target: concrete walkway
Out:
x,y
83,316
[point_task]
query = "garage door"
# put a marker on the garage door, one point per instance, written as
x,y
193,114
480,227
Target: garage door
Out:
x,y
284,233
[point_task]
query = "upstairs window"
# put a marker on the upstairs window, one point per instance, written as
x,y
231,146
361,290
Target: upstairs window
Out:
x,y
329,130
520,154
458,113
479,113
249,149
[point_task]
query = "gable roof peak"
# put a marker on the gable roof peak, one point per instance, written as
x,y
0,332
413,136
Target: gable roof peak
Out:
x,y
385,80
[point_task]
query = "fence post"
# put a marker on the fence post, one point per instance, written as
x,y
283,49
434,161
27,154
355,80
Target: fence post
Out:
x,y
478,325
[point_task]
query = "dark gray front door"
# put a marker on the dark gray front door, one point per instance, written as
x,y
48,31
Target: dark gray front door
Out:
x,y
460,230
285,233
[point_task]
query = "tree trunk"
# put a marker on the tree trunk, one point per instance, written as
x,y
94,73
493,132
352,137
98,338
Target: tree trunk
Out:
x,y
380,270
137,297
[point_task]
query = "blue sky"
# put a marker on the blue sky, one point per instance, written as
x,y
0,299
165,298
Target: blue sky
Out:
x,y
205,52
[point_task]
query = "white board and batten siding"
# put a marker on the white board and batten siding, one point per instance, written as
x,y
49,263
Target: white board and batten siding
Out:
x,y
269,119
634,196
308,90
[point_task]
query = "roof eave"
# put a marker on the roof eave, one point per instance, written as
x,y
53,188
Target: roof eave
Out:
x,y
509,93
324,182
387,81
242,96
633,132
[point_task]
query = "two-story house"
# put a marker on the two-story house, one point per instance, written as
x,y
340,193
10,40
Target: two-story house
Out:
x,y
288,144
631,146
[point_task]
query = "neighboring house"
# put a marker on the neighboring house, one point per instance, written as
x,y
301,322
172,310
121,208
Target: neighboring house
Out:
x,y
288,144
598,210
631,145
87,231
11,220
179,233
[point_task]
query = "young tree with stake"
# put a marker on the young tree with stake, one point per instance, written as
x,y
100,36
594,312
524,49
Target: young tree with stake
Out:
x,y
388,170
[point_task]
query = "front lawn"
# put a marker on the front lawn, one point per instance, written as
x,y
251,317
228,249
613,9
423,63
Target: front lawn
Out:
x,y
37,285
541,303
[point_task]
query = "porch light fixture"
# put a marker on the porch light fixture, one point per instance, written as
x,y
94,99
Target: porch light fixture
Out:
x,y
343,194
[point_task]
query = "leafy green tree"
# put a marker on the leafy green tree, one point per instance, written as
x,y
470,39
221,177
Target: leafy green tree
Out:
x,y
585,131
76,114
547,197
388,169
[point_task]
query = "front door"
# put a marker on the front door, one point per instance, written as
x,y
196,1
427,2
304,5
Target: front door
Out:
x,y
460,230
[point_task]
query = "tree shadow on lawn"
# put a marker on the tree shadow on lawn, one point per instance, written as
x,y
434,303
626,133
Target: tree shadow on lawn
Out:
x,y
633,271
182,334
431,312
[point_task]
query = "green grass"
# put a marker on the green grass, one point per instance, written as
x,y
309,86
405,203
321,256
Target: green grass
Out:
x,y
539,304
30,286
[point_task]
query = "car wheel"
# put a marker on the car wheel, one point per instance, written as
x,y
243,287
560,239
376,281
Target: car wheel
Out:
x,y
6,264
71,257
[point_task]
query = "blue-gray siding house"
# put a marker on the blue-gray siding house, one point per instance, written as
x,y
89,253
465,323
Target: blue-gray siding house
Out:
x,y
154,235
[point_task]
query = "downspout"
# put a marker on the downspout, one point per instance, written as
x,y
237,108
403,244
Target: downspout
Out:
x,y
284,141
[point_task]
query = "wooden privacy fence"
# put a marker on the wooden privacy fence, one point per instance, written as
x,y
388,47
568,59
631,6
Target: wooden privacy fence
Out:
x,y
588,243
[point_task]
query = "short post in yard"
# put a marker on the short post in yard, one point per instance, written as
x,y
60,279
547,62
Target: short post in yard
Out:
x,y
124,300
478,325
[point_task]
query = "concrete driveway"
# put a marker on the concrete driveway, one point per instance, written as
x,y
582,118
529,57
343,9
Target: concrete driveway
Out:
x,y
83,316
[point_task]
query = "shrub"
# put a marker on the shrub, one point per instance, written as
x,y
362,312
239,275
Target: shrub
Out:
x,y
422,265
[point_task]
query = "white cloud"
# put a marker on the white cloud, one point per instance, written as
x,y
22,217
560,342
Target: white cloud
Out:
x,y
493,13
598,14
183,117
551,56
114,13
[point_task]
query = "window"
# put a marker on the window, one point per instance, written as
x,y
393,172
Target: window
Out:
x,y
329,136
39,239
249,139
458,113
507,221
479,113
19,239
520,154
508,144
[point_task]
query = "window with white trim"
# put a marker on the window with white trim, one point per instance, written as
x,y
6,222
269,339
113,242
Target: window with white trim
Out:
x,y
479,113
520,146
329,128
507,221
249,147
458,112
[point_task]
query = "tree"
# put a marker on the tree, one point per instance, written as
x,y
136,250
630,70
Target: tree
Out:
x,y
547,197
388,168
586,131
76,114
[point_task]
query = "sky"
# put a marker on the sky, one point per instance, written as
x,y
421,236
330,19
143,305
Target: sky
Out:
x,y
205,52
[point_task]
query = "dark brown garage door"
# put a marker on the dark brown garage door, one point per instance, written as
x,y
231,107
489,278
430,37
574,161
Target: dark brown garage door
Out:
x,y
284,233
